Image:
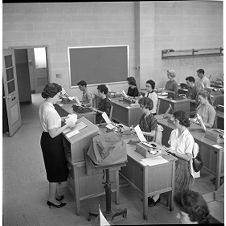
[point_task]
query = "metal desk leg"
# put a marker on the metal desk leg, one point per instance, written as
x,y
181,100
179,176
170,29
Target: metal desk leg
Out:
x,y
218,169
76,191
171,194
117,188
145,193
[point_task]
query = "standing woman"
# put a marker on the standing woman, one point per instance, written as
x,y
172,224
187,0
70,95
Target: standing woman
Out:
x,y
132,90
52,145
181,145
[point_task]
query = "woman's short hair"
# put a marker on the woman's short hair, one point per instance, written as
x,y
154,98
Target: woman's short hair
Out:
x,y
82,83
146,102
190,79
131,80
205,94
182,117
51,89
152,83
171,73
193,204
103,88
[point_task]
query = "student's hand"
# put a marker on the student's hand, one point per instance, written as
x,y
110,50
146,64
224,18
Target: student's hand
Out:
x,y
199,118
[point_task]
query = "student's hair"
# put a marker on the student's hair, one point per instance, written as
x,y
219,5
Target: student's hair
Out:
x,y
171,73
205,94
131,80
152,83
103,88
182,117
200,71
50,90
82,83
146,102
190,79
193,204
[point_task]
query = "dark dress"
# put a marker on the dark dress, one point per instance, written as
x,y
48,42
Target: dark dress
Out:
x,y
105,106
133,92
172,86
147,124
54,157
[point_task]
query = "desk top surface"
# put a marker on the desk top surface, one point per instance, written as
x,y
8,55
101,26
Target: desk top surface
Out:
x,y
120,102
195,130
174,101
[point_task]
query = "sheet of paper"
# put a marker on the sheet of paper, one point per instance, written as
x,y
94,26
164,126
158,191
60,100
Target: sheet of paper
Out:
x,y
110,126
153,161
140,134
71,118
107,120
79,126
217,146
124,93
72,133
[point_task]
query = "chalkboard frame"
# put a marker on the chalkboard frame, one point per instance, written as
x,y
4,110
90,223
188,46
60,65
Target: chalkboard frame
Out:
x,y
102,46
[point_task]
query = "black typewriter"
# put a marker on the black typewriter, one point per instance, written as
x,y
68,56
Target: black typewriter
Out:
x,y
81,109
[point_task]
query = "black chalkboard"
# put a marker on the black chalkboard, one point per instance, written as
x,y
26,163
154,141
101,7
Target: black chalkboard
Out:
x,y
98,64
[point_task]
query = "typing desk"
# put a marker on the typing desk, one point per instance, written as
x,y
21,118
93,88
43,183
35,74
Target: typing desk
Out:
x,y
180,104
124,113
213,157
149,180
91,116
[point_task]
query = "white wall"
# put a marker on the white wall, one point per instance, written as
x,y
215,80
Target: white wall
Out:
x,y
62,25
180,25
161,25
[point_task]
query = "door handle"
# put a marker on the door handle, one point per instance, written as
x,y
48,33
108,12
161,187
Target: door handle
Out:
x,y
7,97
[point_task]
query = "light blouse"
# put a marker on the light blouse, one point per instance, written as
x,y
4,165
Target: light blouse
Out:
x,y
154,97
49,118
182,144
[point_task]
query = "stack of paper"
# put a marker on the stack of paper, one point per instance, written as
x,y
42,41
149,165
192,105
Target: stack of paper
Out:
x,y
71,118
108,121
153,161
75,130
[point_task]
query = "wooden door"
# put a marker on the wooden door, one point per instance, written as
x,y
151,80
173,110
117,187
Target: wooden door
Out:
x,y
11,95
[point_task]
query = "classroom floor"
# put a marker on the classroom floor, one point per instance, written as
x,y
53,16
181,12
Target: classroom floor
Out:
x,y
25,188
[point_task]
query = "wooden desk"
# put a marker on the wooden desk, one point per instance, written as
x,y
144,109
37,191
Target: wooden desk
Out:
x,y
219,119
181,104
150,180
91,116
81,184
124,113
213,158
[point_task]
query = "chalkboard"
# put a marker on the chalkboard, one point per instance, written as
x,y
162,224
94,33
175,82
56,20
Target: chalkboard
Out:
x,y
98,64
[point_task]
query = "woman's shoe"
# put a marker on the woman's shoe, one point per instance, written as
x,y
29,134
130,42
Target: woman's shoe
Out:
x,y
158,200
60,198
54,205
151,201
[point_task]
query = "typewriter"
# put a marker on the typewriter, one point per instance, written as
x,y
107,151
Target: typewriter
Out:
x,y
81,109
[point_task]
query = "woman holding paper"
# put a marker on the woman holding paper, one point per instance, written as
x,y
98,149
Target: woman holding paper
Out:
x,y
181,145
52,145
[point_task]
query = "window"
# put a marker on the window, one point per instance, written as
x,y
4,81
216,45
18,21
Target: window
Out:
x,y
40,57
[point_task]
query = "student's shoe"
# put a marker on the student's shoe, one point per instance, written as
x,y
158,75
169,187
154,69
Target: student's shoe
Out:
x,y
60,198
54,205
151,201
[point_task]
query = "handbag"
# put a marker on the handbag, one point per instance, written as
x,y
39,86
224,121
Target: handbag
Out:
x,y
197,162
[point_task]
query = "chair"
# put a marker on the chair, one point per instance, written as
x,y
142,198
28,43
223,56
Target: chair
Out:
x,y
109,214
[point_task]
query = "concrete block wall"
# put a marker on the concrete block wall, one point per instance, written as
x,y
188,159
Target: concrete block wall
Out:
x,y
180,25
63,25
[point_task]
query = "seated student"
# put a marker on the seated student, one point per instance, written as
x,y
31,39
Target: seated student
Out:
x,y
192,206
150,85
192,89
104,105
132,90
86,96
148,126
205,111
171,85
203,81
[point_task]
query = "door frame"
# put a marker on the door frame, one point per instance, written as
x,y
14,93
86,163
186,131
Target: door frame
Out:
x,y
32,47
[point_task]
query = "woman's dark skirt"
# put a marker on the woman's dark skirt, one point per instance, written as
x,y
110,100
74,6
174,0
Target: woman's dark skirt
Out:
x,y
54,158
183,177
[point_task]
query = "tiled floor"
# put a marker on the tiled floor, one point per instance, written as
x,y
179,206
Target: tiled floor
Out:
x,y
25,188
